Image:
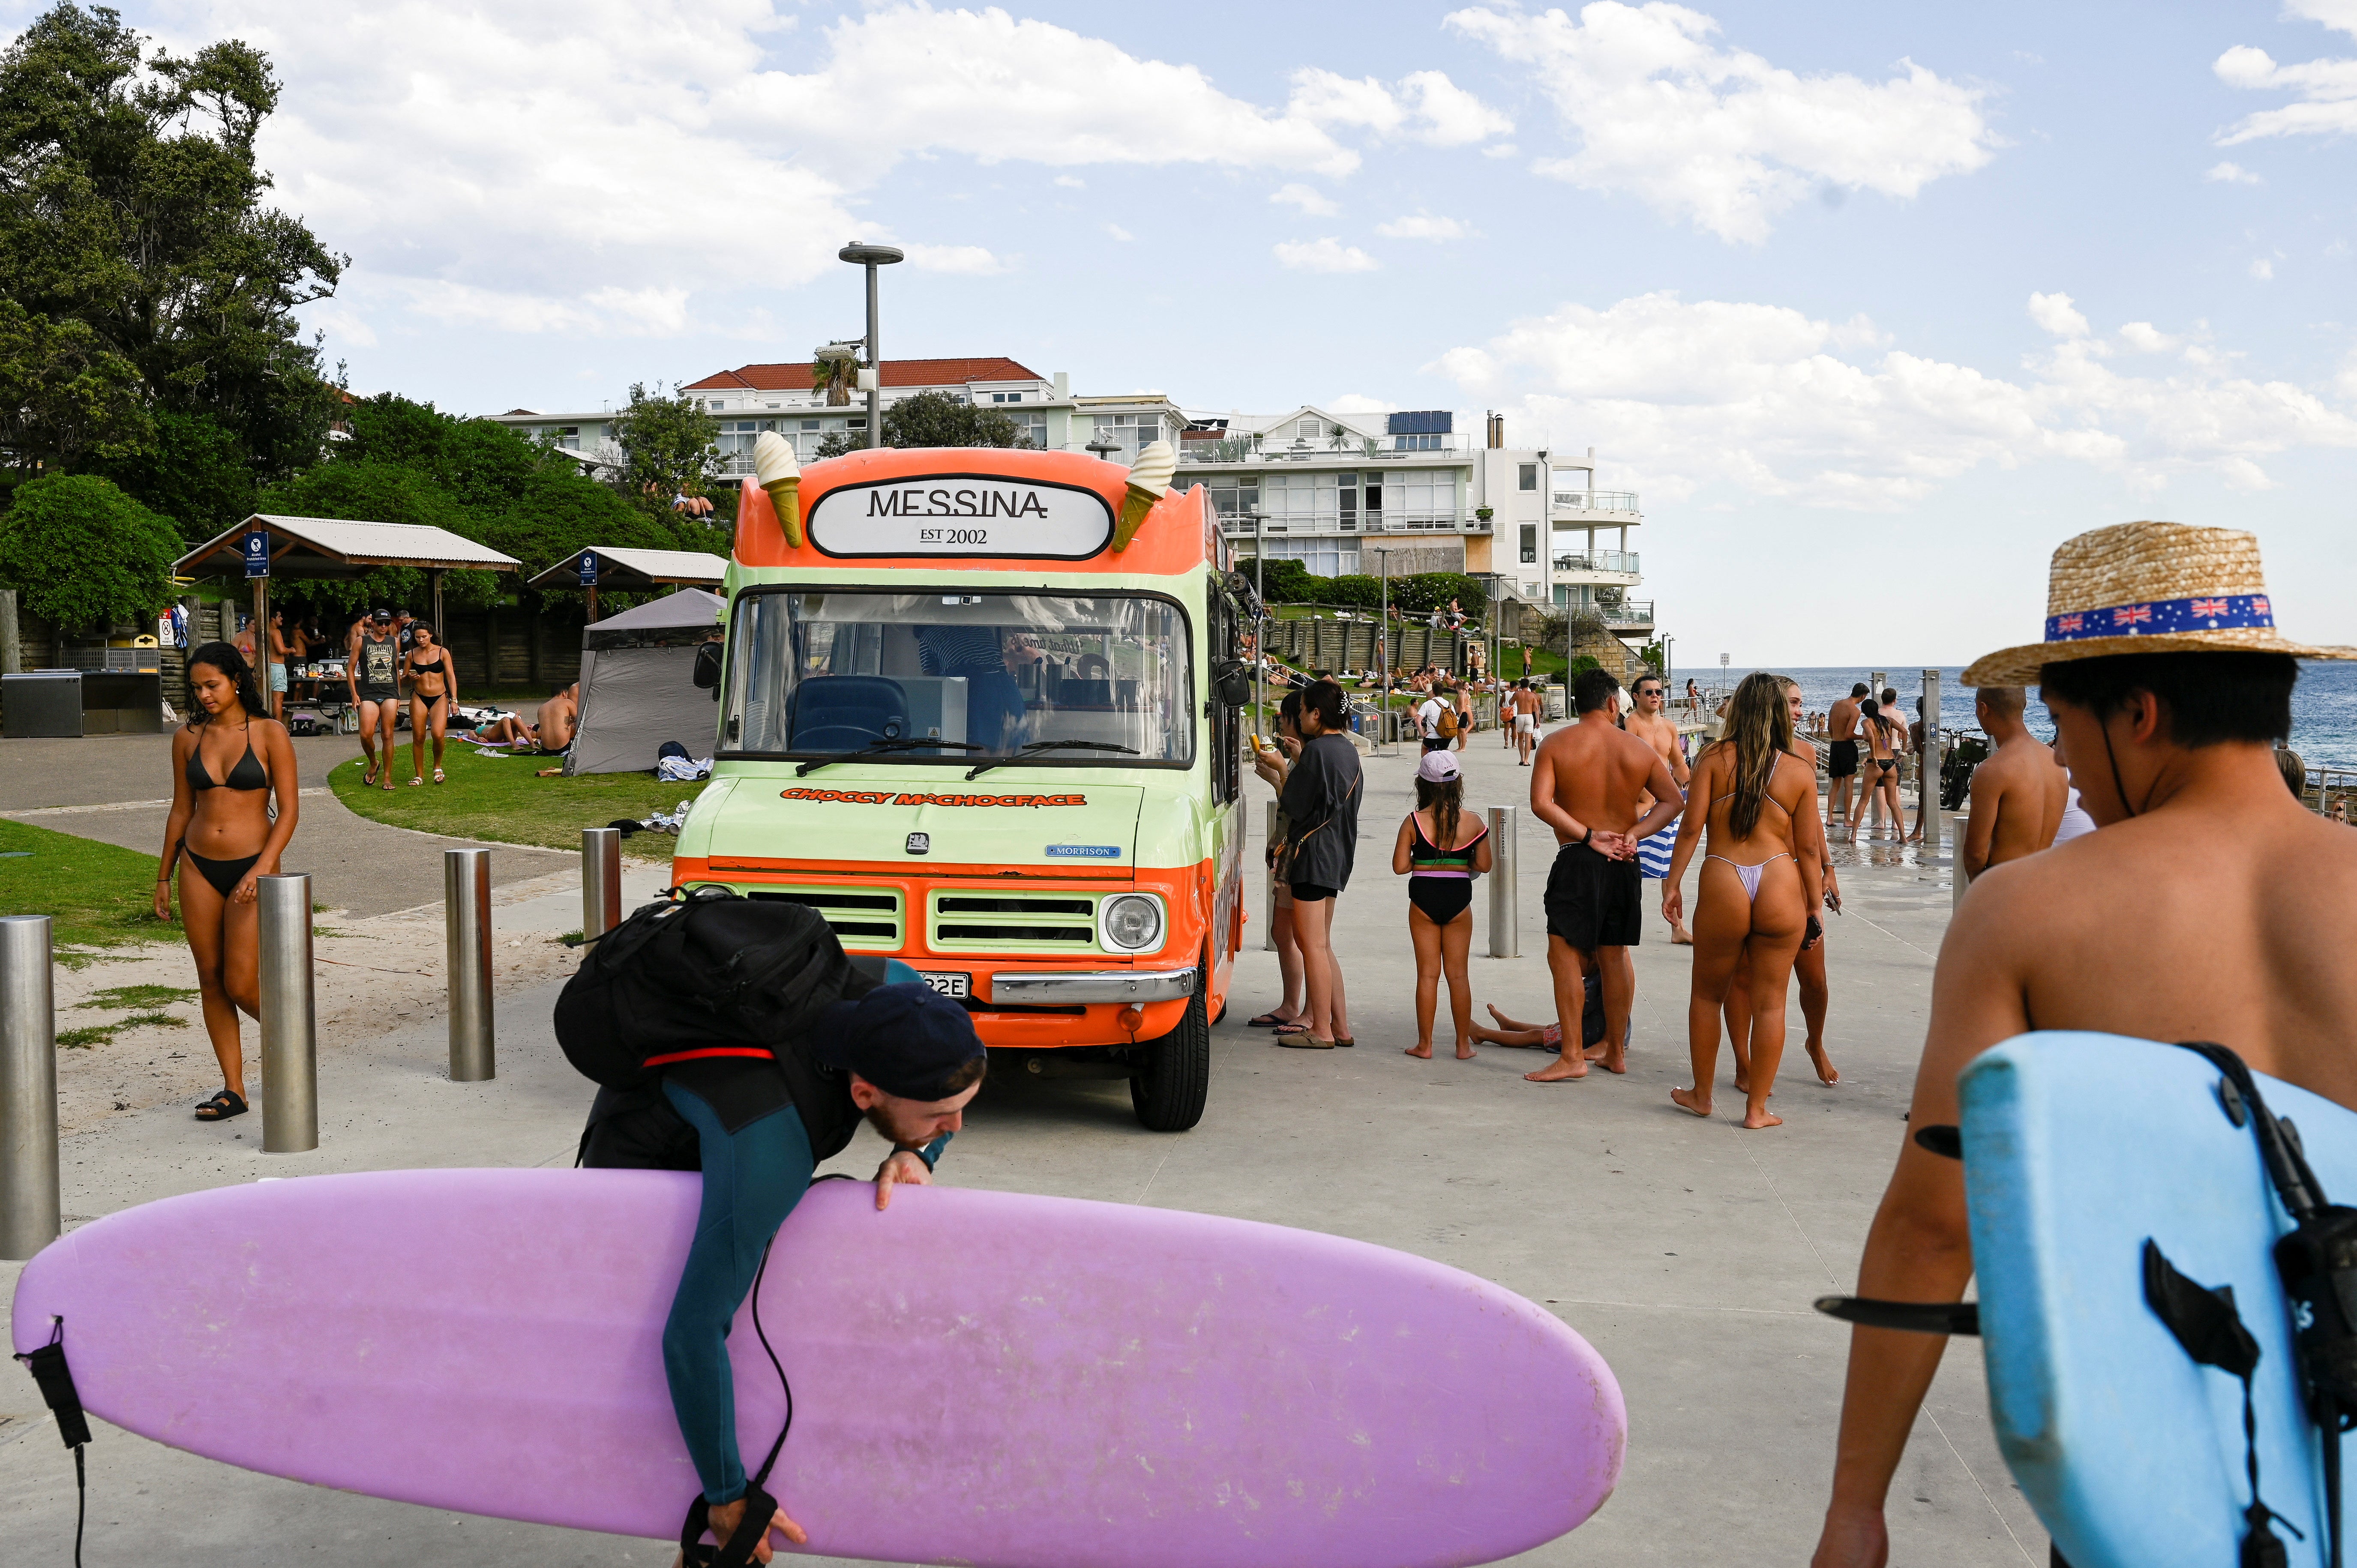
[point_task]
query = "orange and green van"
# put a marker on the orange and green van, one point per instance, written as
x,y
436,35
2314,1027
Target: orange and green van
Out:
x,y
980,709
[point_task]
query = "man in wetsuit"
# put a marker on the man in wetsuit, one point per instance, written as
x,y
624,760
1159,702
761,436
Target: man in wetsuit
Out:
x,y
2209,907
900,1055
1585,785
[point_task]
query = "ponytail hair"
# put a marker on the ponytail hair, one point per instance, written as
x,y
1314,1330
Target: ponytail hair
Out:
x,y
1446,802
225,658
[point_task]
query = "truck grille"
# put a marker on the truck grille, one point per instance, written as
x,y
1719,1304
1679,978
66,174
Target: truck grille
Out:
x,y
859,918
1008,921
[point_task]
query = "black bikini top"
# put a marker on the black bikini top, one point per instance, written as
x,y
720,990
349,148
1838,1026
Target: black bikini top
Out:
x,y
248,774
433,669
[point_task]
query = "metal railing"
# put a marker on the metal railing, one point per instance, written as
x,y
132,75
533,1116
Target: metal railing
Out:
x,y
1598,561
1628,612
1385,522
1371,449
1596,500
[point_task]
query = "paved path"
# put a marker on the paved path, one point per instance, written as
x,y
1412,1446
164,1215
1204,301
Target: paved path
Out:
x,y
117,789
1686,1251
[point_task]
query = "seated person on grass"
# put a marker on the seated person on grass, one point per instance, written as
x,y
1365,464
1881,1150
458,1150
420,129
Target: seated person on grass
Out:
x,y
549,736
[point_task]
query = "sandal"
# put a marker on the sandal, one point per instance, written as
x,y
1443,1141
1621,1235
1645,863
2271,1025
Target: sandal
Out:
x,y
1304,1042
1269,1021
223,1106
368,777
1284,1029
415,780
1343,1043
437,776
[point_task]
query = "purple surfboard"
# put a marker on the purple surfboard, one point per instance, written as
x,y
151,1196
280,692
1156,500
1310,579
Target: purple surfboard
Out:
x,y
980,1378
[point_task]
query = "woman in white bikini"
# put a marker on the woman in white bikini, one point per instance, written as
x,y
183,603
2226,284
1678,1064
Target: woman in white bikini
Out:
x,y
432,680
1761,880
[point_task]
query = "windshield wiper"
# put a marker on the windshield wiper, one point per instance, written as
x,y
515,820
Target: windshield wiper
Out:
x,y
905,743
979,769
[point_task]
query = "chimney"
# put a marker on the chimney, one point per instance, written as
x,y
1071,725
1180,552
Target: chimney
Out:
x,y
1063,385
1497,435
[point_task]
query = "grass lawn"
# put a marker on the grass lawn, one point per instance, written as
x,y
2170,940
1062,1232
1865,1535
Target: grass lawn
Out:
x,y
96,895
500,799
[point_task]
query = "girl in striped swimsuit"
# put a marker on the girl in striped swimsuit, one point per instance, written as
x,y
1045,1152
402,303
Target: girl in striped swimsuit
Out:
x,y
1440,852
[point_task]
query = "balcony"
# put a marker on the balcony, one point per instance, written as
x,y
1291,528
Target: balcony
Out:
x,y
1596,501
1330,527
1599,561
1629,615
1369,449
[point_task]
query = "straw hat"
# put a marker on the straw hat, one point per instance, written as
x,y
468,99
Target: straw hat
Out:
x,y
2150,588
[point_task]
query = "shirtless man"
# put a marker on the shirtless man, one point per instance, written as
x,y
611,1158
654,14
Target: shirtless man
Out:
x,y
2018,794
551,734
1841,762
1529,705
1586,786
2205,909
1658,730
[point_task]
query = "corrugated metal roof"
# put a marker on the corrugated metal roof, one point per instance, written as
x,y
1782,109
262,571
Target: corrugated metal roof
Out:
x,y
656,565
897,373
323,546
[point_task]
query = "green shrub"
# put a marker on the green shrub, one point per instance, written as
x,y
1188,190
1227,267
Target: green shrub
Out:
x,y
84,554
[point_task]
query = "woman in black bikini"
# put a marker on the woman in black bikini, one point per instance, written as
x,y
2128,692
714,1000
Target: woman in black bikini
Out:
x,y
1882,737
432,678
1440,852
226,770
1758,890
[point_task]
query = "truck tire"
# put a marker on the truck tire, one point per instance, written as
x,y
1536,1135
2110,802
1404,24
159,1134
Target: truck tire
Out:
x,y
1168,1095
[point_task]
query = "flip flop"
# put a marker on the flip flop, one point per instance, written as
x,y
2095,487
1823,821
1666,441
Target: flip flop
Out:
x,y
368,777
1284,1029
1343,1043
1268,1021
223,1106
1304,1043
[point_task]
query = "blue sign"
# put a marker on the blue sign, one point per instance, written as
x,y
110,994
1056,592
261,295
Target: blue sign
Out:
x,y
1084,851
256,546
588,568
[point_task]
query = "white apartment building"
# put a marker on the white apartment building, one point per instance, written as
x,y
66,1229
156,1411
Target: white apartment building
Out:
x,y
1397,493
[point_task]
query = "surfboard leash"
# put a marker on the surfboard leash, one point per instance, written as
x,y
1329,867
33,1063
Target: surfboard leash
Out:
x,y
55,1380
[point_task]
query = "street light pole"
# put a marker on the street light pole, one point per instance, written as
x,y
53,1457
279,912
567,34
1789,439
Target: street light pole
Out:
x,y
1260,625
1384,635
871,257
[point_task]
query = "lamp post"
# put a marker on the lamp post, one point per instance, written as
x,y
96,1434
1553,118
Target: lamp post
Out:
x,y
1260,625
871,257
1103,449
1384,636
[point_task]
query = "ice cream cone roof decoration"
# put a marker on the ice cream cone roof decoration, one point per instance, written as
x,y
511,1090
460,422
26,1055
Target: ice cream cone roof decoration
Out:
x,y
1149,479
775,468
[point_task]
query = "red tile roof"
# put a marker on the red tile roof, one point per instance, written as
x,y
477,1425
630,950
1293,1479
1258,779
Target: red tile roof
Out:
x,y
897,373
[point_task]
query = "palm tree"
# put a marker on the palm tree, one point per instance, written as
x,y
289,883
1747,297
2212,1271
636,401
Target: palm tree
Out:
x,y
833,369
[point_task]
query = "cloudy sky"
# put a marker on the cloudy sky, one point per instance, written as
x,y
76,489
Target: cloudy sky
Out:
x,y
1873,305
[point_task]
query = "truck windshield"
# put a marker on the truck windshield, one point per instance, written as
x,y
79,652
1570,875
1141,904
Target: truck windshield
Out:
x,y
984,674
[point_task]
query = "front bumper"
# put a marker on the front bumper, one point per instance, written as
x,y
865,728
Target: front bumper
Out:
x,y
1063,987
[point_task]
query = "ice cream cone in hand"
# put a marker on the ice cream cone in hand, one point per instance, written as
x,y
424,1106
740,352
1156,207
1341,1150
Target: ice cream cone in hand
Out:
x,y
775,469
1149,476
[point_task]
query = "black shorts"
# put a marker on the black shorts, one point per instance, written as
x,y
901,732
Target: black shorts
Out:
x,y
1593,901
1310,892
1438,743
1841,762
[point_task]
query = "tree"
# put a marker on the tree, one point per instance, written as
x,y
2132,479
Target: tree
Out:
x,y
134,242
382,492
670,448
195,472
833,369
84,555
937,419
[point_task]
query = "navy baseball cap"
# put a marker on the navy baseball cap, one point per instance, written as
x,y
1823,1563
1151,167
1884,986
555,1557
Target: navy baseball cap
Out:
x,y
907,1040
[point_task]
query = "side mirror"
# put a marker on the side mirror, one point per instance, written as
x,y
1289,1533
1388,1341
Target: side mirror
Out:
x,y
707,668
1231,682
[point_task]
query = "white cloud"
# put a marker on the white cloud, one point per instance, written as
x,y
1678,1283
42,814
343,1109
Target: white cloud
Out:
x,y
1325,255
1120,233
2146,338
533,165
2327,87
344,329
2053,313
1356,402
1499,150
1721,137
2262,270
1303,197
1071,182
1766,398
974,261
1423,226
2233,173
1423,107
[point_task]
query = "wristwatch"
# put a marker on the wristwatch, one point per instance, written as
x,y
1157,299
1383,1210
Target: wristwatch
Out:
x,y
1591,834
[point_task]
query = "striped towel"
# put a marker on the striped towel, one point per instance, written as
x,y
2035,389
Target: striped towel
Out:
x,y
1654,855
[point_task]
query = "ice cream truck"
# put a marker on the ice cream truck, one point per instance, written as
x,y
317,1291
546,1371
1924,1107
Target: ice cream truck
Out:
x,y
979,708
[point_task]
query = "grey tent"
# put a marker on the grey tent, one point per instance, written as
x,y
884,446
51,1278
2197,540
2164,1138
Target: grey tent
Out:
x,y
638,684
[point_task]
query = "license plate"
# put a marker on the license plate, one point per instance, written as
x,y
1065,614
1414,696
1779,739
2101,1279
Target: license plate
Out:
x,y
949,983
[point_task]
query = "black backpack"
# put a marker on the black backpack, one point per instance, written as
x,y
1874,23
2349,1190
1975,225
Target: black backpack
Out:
x,y
709,969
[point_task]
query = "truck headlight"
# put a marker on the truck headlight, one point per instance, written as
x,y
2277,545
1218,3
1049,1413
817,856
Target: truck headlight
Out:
x,y
1131,922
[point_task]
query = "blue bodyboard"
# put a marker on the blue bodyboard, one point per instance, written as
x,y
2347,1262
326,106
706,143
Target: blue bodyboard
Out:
x,y
2077,1148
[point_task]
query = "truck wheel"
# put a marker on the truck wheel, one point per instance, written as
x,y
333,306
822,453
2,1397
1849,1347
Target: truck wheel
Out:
x,y
1168,1094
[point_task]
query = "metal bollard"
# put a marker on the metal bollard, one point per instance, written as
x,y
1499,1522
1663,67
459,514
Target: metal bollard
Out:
x,y
1505,905
1927,782
601,881
29,1211
466,915
1268,895
290,1060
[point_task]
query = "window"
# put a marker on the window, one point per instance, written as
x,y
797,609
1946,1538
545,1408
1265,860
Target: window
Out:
x,y
1346,488
717,405
1530,543
1530,476
1033,429
1422,495
1235,495
823,674
1416,444
1007,397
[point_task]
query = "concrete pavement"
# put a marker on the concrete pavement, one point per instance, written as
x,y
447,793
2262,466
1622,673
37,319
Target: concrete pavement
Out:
x,y
1686,1251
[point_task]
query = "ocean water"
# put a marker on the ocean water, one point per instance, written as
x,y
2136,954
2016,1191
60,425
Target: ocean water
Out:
x,y
2323,705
